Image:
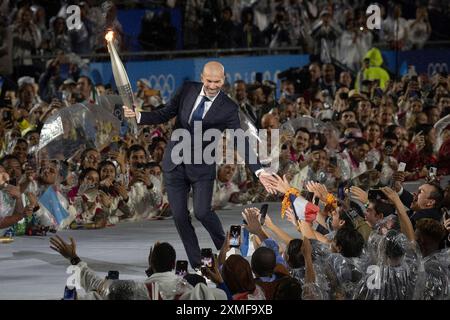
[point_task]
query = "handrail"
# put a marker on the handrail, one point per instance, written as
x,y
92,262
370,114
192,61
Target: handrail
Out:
x,y
217,52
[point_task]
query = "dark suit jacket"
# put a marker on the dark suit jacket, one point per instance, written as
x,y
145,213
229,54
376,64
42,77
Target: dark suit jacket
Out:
x,y
223,114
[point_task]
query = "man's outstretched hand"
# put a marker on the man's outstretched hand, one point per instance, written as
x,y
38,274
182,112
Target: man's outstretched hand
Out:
x,y
268,181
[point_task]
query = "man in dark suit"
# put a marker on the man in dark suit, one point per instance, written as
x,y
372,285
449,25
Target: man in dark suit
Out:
x,y
200,103
425,203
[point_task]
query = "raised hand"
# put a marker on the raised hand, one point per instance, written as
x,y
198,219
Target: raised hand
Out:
x,y
290,215
359,194
68,251
268,181
391,195
280,184
319,190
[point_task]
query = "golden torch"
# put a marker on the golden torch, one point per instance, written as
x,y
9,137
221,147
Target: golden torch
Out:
x,y
121,78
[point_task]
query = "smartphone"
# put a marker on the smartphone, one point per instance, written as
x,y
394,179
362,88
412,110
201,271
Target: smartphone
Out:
x,y
433,172
70,294
235,236
112,275
114,147
263,212
333,161
376,194
64,70
316,201
341,192
7,115
309,196
181,268
446,213
401,167
207,257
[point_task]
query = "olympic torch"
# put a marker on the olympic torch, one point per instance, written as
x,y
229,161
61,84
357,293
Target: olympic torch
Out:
x,y
121,78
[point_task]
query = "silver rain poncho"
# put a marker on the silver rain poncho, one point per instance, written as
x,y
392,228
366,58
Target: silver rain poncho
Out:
x,y
394,268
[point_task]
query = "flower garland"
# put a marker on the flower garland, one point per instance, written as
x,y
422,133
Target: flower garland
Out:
x,y
286,201
331,201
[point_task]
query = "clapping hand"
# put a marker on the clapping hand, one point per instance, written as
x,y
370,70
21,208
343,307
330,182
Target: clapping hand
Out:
x,y
319,190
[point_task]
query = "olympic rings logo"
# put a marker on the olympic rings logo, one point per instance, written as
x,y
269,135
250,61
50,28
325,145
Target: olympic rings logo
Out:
x,y
434,68
163,83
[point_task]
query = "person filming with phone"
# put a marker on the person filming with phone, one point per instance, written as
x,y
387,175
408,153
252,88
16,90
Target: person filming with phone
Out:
x,y
425,203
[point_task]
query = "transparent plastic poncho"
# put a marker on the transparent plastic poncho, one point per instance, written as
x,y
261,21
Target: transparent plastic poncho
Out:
x,y
74,128
393,270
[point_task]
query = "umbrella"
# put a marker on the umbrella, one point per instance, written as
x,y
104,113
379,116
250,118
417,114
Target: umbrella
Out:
x,y
76,127
440,126
312,124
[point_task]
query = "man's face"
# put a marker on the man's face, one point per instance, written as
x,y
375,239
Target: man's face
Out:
x,y
13,168
345,79
21,151
320,160
137,157
328,72
240,91
48,173
416,106
108,172
155,171
158,153
260,98
360,152
290,111
433,116
212,83
386,115
348,117
314,72
422,118
226,173
336,223
444,103
92,178
33,139
27,94
423,197
364,108
373,132
84,88
92,159
302,141
270,123
371,216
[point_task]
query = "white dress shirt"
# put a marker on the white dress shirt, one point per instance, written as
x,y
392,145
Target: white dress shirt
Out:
x,y
208,104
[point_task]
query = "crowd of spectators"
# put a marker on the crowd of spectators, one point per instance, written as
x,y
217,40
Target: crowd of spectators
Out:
x,y
336,29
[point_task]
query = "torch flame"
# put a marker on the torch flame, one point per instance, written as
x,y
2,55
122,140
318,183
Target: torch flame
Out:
x,y
109,36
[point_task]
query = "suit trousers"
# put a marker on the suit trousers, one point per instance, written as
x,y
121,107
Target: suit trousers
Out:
x,y
178,183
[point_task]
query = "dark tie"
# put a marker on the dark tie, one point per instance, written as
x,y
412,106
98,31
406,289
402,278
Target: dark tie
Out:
x,y
198,113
